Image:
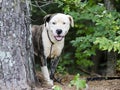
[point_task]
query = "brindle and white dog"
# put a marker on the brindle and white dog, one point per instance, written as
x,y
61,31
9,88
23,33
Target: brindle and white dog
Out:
x,y
48,41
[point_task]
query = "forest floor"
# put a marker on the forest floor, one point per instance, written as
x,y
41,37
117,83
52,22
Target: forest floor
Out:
x,y
92,85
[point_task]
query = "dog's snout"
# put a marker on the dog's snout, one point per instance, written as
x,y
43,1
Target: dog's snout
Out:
x,y
58,31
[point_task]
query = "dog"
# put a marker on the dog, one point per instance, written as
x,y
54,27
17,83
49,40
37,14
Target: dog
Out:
x,y
48,41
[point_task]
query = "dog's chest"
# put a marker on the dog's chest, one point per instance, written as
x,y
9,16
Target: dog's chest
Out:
x,y
51,51
54,50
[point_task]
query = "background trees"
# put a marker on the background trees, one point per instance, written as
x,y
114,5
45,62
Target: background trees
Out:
x,y
95,37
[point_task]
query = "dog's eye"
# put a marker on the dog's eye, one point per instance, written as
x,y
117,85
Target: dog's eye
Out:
x,y
64,23
53,23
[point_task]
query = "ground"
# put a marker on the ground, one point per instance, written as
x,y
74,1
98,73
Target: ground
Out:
x,y
92,85
104,85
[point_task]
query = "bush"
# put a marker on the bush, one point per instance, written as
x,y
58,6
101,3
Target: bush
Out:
x,y
78,83
96,28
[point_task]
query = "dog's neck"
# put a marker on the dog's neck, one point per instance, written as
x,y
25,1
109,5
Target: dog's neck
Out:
x,y
52,43
50,49
49,37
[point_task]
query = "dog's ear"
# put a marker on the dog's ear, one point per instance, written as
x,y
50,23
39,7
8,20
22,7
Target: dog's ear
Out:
x,y
71,20
47,18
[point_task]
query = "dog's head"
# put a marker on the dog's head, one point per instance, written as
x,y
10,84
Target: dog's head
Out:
x,y
58,25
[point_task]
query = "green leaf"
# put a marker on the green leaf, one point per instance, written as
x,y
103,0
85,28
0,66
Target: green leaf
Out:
x,y
56,87
79,83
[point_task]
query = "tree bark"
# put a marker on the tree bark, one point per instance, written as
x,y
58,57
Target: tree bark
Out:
x,y
111,63
109,4
111,56
16,58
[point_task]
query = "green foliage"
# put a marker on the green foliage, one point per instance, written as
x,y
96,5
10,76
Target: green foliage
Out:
x,y
66,64
78,83
96,28
106,44
56,87
61,70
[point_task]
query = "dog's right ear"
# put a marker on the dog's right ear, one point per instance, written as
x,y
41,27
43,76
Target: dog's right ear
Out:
x,y
47,18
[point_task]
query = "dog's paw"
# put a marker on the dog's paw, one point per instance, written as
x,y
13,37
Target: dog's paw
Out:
x,y
58,80
47,84
50,82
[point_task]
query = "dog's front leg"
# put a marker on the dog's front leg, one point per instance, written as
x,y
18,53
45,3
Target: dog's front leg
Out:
x,y
45,71
54,63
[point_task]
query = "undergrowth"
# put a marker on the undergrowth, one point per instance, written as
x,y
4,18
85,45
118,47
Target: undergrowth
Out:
x,y
77,82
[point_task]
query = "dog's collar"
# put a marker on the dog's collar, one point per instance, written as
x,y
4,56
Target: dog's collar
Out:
x,y
51,44
49,38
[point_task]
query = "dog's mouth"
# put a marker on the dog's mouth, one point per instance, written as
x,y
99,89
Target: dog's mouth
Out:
x,y
59,38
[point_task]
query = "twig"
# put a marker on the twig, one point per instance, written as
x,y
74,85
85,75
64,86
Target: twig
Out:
x,y
40,7
89,73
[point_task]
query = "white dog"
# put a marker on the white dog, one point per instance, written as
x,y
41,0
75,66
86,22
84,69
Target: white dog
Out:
x,y
48,41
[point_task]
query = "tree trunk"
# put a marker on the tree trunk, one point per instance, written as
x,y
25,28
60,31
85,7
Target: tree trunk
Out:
x,y
111,56
109,4
16,58
111,63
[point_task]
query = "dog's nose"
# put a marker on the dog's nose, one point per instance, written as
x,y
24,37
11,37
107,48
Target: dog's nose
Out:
x,y
58,31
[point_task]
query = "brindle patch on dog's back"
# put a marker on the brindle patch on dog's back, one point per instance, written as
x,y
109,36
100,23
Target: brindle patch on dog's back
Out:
x,y
37,38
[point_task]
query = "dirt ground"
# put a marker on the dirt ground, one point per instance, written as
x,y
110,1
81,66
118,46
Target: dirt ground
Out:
x,y
97,85
92,85
104,85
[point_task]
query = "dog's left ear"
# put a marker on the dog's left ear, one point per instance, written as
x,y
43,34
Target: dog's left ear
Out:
x,y
71,20
47,18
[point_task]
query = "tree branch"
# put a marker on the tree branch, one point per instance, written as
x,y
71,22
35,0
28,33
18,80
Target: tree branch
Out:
x,y
41,6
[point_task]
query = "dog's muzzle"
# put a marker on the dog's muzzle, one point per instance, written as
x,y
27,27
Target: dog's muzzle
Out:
x,y
59,37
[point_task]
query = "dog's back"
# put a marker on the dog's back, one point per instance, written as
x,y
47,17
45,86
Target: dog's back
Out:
x,y
37,37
